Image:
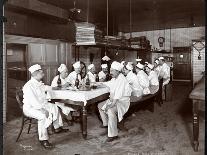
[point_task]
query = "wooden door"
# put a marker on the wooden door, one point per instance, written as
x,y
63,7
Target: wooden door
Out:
x,y
182,63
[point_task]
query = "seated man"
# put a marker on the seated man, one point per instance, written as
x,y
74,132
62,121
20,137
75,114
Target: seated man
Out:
x,y
133,80
91,73
119,101
73,75
142,78
63,73
103,75
35,105
153,79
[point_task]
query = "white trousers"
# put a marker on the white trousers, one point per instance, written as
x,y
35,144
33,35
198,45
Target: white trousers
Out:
x,y
43,121
65,109
109,119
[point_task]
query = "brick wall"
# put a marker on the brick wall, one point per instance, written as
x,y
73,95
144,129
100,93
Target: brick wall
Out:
x,y
198,65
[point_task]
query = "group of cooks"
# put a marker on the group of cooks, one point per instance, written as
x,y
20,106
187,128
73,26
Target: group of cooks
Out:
x,y
123,79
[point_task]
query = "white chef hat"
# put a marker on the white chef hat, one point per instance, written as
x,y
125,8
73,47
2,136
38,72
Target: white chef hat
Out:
x,y
146,62
117,66
129,66
140,66
161,58
76,64
90,66
106,58
150,66
138,60
34,68
104,66
62,68
157,61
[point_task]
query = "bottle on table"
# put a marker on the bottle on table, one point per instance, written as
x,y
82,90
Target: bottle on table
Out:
x,y
87,81
59,82
77,82
97,78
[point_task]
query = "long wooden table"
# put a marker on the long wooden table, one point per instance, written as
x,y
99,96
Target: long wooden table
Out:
x,y
198,97
81,99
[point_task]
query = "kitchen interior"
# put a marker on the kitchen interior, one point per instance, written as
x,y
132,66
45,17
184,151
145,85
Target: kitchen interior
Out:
x,y
47,32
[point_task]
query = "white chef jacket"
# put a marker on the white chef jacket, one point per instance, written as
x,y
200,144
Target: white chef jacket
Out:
x,y
72,77
153,78
120,89
54,81
102,76
92,77
165,73
134,83
143,81
35,97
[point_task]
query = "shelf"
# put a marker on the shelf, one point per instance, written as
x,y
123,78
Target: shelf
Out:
x,y
110,46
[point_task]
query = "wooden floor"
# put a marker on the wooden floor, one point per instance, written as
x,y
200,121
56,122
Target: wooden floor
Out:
x,y
166,131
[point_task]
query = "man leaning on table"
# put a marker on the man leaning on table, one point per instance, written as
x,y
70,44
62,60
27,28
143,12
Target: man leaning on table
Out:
x,y
118,104
36,105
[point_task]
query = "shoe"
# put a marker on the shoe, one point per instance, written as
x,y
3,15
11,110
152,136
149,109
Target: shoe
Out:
x,y
110,139
46,144
60,129
101,126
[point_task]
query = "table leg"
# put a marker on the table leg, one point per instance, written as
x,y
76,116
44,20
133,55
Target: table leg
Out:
x,y
84,122
195,125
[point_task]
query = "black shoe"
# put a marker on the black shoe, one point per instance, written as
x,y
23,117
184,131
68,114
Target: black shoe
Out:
x,y
46,144
110,139
101,126
60,129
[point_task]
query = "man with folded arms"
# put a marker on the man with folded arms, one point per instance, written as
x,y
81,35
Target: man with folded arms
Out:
x,y
118,104
36,105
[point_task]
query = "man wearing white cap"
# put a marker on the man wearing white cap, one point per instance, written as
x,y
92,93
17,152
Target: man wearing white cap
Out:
x,y
164,71
153,79
133,80
118,104
36,105
104,73
157,67
142,78
72,76
91,73
63,73
138,60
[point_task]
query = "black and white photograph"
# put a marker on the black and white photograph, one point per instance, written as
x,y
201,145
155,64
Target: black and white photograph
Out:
x,y
103,77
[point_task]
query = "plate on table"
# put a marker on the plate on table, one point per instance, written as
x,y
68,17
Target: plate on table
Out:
x,y
84,89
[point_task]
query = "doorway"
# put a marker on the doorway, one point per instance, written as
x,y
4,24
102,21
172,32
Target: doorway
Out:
x,y
182,64
17,75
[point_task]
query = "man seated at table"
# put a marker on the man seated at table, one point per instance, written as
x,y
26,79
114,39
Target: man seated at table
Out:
x,y
91,73
103,74
153,79
36,105
133,80
118,104
142,78
157,67
62,76
73,75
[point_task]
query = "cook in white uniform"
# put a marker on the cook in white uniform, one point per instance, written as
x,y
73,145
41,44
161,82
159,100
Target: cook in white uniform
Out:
x,y
133,80
72,76
157,67
36,105
103,74
153,79
63,73
91,73
118,104
164,71
143,78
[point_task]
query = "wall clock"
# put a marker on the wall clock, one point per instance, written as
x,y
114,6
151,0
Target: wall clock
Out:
x,y
161,41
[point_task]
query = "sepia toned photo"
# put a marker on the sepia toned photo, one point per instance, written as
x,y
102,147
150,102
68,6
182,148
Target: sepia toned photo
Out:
x,y
103,77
